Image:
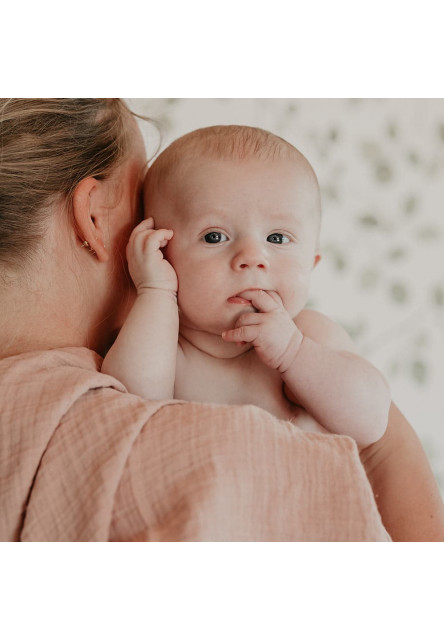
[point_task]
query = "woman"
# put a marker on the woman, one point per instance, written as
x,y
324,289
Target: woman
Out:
x,y
82,459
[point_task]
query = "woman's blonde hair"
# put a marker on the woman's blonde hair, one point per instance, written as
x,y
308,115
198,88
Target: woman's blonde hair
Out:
x,y
47,146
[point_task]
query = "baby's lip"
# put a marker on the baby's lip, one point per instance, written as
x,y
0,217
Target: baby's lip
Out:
x,y
239,295
240,299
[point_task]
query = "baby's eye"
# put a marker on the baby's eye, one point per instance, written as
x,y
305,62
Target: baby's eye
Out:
x,y
214,237
278,238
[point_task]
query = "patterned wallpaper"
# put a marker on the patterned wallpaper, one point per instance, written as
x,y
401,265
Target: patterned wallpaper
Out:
x,y
380,164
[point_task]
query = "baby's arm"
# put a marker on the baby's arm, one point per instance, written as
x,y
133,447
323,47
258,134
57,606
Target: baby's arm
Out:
x,y
143,356
341,390
404,487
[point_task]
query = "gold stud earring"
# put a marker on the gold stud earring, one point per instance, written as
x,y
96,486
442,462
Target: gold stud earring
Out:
x,y
88,246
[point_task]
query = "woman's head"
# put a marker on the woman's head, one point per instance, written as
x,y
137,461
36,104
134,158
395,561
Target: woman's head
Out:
x,y
47,147
71,170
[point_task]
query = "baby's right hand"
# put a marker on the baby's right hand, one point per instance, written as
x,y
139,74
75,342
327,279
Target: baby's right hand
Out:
x,y
147,266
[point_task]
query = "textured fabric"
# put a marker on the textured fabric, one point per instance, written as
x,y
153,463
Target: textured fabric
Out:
x,y
81,459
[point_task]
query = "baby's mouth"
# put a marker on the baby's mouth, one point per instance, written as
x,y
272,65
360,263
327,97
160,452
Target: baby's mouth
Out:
x,y
239,299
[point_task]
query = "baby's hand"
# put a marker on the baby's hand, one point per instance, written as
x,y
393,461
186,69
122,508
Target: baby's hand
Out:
x,y
147,266
271,331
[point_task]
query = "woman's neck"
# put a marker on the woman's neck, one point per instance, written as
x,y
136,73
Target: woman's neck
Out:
x,y
31,321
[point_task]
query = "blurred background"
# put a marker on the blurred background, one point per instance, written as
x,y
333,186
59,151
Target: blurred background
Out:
x,y
380,165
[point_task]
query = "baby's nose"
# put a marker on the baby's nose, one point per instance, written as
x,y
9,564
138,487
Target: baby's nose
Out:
x,y
250,255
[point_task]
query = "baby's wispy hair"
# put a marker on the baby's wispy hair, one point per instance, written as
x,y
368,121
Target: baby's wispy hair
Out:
x,y
226,142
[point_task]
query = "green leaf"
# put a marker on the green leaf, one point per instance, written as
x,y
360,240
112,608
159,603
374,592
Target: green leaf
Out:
x,y
398,292
339,261
438,295
421,340
383,172
355,330
428,233
392,130
419,371
397,253
329,192
369,220
369,278
410,205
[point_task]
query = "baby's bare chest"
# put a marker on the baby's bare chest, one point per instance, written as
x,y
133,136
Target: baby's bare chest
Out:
x,y
243,380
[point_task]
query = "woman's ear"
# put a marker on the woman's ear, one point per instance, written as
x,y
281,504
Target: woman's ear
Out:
x,y
91,215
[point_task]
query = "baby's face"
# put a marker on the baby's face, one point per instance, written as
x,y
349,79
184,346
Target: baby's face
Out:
x,y
239,225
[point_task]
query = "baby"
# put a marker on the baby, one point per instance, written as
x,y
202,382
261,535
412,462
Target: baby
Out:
x,y
222,282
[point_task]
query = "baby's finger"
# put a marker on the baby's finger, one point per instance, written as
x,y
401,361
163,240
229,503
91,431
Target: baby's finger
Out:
x,y
262,300
147,242
276,297
249,319
157,239
147,223
140,230
143,226
241,334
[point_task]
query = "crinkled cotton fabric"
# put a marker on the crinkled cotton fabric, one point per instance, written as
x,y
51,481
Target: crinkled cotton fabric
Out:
x,y
83,460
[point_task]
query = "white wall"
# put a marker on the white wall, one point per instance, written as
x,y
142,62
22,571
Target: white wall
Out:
x,y
380,164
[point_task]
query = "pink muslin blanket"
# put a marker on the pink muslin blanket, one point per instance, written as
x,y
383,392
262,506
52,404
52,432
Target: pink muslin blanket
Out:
x,y
83,460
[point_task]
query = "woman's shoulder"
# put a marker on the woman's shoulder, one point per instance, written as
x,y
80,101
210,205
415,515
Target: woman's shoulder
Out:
x,y
39,387
322,329
35,368
54,358
67,431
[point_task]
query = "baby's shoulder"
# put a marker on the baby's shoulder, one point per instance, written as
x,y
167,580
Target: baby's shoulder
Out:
x,y
322,329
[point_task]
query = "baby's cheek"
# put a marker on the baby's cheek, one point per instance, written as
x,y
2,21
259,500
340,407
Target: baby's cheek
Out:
x,y
302,278
190,296
296,296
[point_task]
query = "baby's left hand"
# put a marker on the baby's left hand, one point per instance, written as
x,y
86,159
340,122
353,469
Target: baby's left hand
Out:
x,y
271,331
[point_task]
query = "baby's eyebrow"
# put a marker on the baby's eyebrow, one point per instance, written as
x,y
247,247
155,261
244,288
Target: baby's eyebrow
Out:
x,y
209,218
212,211
284,221
215,217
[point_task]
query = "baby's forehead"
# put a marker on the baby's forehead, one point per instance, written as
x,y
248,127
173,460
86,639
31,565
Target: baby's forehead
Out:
x,y
196,172
201,185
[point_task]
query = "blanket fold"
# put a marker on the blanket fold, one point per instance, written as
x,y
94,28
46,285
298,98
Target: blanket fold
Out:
x,y
83,460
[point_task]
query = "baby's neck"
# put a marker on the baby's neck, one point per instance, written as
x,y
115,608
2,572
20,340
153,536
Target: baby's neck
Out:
x,y
210,344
